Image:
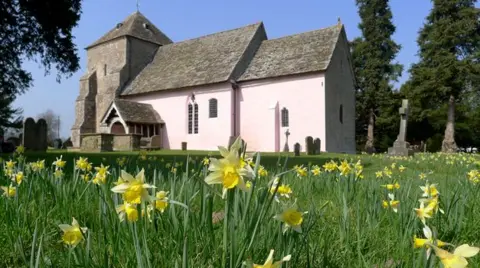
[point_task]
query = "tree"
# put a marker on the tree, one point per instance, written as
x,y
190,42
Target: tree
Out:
x,y
373,56
53,125
34,30
448,46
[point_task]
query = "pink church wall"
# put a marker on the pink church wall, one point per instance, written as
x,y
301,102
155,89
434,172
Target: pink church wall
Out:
x,y
260,108
172,107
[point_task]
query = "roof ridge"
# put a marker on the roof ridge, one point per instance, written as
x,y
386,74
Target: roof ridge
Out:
x,y
307,32
216,33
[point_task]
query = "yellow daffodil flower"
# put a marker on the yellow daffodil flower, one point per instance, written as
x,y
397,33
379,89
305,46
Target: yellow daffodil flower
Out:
x,y
429,190
457,259
262,172
82,164
316,170
129,210
10,164
162,201
9,191
392,203
19,177
392,186
429,239
292,218
206,161
229,170
72,234
134,190
59,163
269,262
423,213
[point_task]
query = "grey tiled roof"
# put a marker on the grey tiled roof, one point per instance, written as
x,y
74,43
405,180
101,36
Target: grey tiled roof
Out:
x,y
295,54
133,25
136,112
206,60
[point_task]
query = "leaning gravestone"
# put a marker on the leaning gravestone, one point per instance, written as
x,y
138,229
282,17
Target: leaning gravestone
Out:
x,y
296,149
401,146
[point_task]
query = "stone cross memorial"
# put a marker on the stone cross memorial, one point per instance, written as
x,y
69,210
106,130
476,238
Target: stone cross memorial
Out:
x,y
400,146
286,149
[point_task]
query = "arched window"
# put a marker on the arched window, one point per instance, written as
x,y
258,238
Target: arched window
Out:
x,y
341,114
213,108
285,117
195,118
192,118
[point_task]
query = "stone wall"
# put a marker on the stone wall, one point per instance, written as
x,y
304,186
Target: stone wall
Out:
x,y
340,92
85,108
96,142
126,142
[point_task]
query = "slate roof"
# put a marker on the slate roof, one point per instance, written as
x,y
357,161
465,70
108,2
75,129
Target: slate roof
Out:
x,y
295,54
133,25
206,60
135,112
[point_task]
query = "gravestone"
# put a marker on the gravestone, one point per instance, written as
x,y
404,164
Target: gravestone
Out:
x,y
29,134
42,130
67,143
401,146
316,145
309,145
286,149
35,135
57,144
296,149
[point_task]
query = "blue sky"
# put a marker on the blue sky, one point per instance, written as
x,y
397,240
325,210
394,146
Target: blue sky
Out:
x,y
186,19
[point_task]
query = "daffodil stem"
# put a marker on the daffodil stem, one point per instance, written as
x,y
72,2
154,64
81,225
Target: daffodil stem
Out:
x,y
225,231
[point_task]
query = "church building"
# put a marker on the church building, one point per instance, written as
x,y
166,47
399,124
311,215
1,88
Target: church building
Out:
x,y
206,91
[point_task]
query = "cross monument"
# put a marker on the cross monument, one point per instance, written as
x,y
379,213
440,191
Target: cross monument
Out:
x,y
400,146
286,149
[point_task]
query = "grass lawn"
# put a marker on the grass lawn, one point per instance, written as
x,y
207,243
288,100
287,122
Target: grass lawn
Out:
x,y
322,214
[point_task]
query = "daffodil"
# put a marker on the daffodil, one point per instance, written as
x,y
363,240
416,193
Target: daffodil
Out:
x,y
292,218
316,170
10,164
9,191
134,190
229,170
429,190
423,212
72,234
128,210
19,177
392,203
269,262
162,201
262,172
101,175
428,240
330,166
82,164
206,161
59,163
392,186
457,259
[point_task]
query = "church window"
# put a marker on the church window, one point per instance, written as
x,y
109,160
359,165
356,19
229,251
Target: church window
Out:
x,y
213,108
190,118
341,114
285,120
193,118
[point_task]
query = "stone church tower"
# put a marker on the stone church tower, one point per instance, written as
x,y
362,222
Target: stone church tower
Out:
x,y
113,61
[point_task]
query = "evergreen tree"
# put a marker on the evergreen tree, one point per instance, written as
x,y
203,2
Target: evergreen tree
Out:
x,y
447,67
34,29
373,55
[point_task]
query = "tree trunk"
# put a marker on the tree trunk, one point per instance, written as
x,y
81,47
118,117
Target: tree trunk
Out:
x,y
369,148
449,145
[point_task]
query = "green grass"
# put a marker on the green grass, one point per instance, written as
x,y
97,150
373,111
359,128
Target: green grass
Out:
x,y
346,225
